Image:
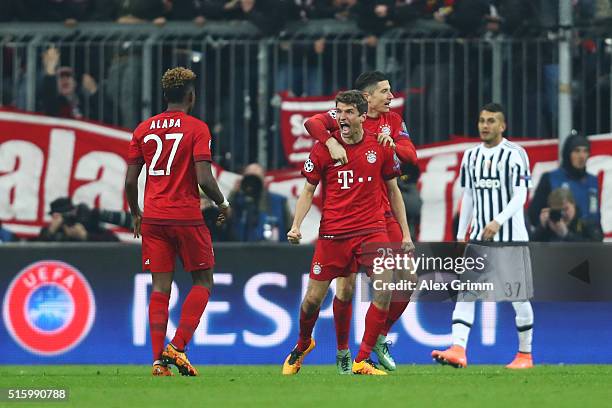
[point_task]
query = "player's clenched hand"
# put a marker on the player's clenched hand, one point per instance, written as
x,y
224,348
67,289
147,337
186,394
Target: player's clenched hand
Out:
x,y
385,140
407,245
223,215
490,230
294,235
137,222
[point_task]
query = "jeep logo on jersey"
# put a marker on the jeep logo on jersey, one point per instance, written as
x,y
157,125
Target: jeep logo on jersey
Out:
x,y
308,166
385,130
49,308
488,183
371,156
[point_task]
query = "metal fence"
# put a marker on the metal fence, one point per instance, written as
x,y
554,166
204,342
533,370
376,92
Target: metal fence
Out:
x,y
445,79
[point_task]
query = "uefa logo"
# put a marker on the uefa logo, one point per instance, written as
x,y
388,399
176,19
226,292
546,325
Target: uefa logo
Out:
x,y
49,308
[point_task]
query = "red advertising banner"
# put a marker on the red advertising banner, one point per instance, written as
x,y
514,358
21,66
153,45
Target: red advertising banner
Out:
x,y
43,158
294,111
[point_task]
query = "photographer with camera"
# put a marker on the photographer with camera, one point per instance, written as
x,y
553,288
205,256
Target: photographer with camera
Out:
x,y
257,214
560,221
74,224
572,175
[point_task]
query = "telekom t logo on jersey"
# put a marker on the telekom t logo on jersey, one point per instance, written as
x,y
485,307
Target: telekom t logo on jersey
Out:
x,y
345,179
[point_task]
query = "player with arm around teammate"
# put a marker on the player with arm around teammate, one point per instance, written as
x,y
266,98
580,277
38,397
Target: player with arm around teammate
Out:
x,y
352,216
389,129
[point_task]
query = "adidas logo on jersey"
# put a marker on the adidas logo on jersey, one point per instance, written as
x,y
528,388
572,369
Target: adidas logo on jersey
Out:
x,y
148,261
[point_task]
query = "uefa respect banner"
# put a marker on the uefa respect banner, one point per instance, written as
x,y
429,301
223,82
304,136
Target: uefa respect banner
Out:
x,y
294,111
43,158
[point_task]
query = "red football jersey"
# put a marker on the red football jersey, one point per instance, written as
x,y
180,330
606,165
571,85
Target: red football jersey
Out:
x,y
389,123
352,202
169,144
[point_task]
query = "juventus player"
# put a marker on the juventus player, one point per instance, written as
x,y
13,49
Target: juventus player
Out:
x,y
495,176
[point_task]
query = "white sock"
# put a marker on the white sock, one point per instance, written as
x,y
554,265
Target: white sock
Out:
x,y
524,325
463,318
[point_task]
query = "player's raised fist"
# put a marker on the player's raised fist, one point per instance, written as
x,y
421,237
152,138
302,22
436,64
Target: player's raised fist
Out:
x,y
294,236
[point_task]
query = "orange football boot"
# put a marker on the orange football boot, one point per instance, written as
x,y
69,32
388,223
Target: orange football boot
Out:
x,y
294,360
172,356
521,361
161,370
453,356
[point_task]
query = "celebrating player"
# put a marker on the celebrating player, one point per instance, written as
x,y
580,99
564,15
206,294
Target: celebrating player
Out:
x,y
176,149
495,176
389,128
353,215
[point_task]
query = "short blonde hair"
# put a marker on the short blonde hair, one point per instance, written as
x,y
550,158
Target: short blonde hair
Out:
x,y
559,196
176,82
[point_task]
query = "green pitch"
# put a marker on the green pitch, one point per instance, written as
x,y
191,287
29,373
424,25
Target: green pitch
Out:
x,y
318,386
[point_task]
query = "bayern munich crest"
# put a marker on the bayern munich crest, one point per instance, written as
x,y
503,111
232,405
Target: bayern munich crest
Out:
x,y
385,130
316,268
49,308
371,156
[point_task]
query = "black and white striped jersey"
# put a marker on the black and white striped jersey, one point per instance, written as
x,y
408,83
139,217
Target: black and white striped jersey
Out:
x,y
492,178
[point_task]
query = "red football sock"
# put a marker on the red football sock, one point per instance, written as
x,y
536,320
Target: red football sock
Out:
x,y
395,312
191,312
343,311
375,319
158,320
306,325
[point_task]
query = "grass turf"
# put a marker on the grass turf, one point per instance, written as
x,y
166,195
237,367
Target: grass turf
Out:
x,y
318,386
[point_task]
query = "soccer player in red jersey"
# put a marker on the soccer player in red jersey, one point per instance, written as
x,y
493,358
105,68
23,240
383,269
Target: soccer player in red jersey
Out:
x,y
176,150
353,215
389,128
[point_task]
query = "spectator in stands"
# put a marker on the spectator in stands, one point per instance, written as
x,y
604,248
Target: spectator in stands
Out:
x,y
571,175
340,10
60,94
257,214
376,16
123,84
6,235
560,221
197,10
469,17
73,224
268,16
135,11
412,198
8,10
68,11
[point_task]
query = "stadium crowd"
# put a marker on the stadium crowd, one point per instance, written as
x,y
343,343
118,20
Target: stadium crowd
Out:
x,y
469,17
70,91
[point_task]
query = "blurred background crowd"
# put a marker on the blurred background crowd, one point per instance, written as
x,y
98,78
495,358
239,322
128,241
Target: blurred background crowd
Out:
x,y
470,17
446,57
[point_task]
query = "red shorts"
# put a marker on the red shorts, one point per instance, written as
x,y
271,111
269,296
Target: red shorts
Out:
x,y
161,244
334,258
394,231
